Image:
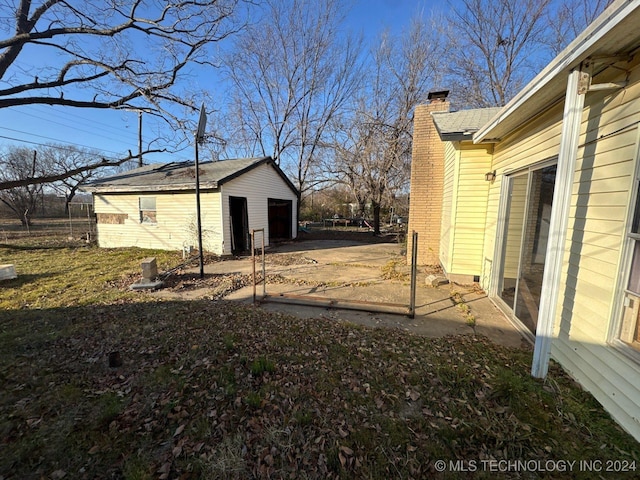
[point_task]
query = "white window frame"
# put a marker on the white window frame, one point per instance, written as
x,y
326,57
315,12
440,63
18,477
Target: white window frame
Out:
x,y
628,243
501,232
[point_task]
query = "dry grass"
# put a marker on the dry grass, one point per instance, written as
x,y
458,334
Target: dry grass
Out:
x,y
210,389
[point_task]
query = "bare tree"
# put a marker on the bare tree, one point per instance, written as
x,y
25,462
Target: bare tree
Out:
x,y
348,165
292,72
57,174
66,158
373,151
121,54
21,200
494,47
490,43
569,19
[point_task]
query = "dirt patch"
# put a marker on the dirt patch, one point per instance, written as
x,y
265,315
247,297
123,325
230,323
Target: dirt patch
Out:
x,y
288,259
189,286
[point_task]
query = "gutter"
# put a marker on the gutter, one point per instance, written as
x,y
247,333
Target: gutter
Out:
x,y
568,59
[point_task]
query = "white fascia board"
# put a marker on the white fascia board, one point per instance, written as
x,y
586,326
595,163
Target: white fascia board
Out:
x,y
548,79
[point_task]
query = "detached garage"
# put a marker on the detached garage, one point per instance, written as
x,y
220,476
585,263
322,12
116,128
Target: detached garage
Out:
x,y
155,206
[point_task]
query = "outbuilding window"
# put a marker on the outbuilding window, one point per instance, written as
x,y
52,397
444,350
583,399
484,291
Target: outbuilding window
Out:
x,y
148,210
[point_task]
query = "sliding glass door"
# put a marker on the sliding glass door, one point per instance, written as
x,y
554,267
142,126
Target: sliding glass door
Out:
x,y
528,196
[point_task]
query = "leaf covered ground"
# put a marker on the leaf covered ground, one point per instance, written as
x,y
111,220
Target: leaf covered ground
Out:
x,y
211,389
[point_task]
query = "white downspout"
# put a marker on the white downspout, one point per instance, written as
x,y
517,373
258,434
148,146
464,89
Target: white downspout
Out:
x,y
569,140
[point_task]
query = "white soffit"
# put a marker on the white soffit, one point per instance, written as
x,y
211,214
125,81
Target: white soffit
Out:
x,y
614,32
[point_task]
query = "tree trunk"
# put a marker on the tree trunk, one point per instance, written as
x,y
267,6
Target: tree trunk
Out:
x,y
361,208
67,199
376,217
25,219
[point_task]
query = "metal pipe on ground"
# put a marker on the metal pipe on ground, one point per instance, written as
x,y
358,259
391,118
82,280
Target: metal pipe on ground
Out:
x,y
253,263
414,274
367,306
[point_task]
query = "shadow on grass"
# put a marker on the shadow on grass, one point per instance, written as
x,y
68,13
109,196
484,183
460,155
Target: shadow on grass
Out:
x,y
56,246
25,279
193,373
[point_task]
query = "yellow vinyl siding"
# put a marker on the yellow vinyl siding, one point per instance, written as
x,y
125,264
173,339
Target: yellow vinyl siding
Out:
x,y
176,221
601,193
471,209
599,210
464,208
605,378
449,191
534,143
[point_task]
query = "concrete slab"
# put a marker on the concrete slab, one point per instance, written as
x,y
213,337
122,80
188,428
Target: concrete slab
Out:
x,y
353,272
146,284
8,272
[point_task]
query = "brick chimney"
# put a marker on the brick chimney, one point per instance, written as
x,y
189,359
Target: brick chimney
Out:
x,y
427,180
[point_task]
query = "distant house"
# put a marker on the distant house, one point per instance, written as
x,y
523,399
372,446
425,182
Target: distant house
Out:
x,y
539,201
155,206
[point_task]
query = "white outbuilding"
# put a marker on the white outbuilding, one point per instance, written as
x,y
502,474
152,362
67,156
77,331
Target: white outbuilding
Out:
x,y
154,206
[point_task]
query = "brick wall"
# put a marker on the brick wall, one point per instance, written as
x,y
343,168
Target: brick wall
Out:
x,y
427,181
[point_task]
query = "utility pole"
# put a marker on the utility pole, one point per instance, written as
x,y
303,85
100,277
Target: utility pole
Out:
x,y
199,138
140,138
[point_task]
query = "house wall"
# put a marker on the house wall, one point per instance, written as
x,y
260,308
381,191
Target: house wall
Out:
x,y
257,186
523,148
176,225
462,242
590,283
449,196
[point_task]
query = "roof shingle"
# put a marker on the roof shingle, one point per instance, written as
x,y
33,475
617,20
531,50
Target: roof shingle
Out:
x,y
461,125
176,176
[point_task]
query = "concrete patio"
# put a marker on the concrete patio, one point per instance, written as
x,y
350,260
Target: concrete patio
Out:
x,y
351,271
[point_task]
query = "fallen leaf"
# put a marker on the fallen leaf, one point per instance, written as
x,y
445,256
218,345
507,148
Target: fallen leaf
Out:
x,y
179,430
346,450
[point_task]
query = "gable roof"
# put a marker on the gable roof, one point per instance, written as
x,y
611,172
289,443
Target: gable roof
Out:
x,y
461,125
614,33
173,176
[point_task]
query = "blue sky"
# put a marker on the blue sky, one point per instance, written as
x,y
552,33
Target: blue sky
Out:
x,y
116,132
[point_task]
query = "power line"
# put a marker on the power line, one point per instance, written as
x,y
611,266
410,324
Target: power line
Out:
x,y
54,139
75,127
58,147
74,117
